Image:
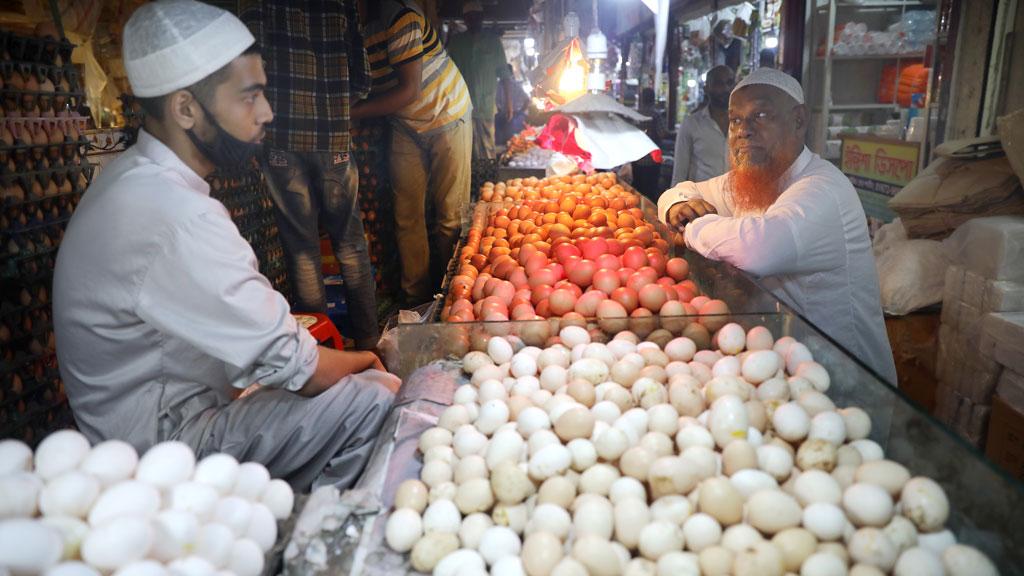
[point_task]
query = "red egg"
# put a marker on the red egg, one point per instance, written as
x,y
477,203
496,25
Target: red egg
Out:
x,y
627,297
573,319
714,314
544,308
606,280
567,285
518,277
495,316
543,276
615,248
691,310
699,301
478,286
594,248
558,269
684,292
583,273
691,285
540,293
612,316
652,297
564,251
636,281
525,251
609,261
562,301
642,322
535,262
656,260
634,257
492,304
570,262
461,305
624,274
490,285
667,282
677,268
505,290
649,272
523,311
587,304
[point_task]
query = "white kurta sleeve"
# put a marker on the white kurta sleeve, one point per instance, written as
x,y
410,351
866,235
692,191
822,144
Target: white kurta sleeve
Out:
x,y
801,233
712,191
203,287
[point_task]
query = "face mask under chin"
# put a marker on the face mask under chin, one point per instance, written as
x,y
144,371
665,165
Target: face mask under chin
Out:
x,y
225,151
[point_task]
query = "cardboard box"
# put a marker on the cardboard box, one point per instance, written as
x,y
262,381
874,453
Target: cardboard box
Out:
x,y
1006,438
1010,389
915,342
953,288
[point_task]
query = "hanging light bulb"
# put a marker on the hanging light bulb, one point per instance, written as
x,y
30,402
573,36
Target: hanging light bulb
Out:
x,y
771,42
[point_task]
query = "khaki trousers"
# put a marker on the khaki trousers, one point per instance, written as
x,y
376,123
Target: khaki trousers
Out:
x,y
483,138
434,170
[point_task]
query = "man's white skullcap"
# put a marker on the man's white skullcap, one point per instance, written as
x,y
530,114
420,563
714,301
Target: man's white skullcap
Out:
x,y
471,6
776,78
172,44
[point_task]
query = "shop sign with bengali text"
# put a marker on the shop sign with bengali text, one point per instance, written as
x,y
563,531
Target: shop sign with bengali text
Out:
x,y
881,165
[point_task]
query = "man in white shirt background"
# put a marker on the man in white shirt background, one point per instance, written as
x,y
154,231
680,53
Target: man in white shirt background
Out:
x,y
788,217
700,141
161,315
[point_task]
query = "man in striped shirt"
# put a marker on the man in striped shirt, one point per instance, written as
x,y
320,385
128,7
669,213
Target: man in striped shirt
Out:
x,y
416,84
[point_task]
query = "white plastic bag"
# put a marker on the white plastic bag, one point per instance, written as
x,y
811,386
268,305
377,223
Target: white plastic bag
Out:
x,y
911,275
990,247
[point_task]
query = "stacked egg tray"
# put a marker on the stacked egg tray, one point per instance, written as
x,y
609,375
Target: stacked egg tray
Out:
x,y
376,204
43,173
245,196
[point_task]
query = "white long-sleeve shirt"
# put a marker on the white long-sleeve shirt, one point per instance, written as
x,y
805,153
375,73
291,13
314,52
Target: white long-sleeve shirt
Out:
x,y
700,149
810,248
159,308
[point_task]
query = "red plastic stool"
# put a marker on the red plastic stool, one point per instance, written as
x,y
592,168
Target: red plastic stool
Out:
x,y
321,327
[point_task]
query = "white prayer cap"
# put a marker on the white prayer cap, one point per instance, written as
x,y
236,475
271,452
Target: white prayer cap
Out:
x,y
776,78
472,6
172,44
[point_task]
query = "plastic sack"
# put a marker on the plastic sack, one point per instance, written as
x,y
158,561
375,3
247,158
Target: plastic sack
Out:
x,y
887,236
387,346
911,275
990,247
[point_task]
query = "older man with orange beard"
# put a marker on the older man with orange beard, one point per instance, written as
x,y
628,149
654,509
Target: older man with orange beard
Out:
x,y
788,217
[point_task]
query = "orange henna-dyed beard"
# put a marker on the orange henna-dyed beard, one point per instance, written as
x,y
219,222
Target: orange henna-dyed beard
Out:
x,y
755,187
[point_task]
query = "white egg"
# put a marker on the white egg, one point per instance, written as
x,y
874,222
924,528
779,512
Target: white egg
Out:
x,y
219,471
233,512
759,338
937,542
214,543
441,516
464,561
73,531
814,402
739,537
493,414
262,527
572,336
673,508
726,366
749,481
728,420
499,542
924,503
828,426
166,464
680,349
858,423
919,562
70,494
659,538
825,520
174,534
549,461
731,338
760,365
403,529
111,462
508,566
60,452
127,498
869,449
871,546
19,494
489,390
791,422
550,518
475,360
15,456
192,566
815,373
867,505
499,350
246,558
817,486
28,546
253,478
118,542
468,441
523,365
72,568
823,564
595,516
701,531
194,497
464,395
532,419
772,511
962,560
796,355
589,369
774,460
143,568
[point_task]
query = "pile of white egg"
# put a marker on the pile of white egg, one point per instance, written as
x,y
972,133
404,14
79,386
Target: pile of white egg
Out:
x,y
629,458
75,510
535,157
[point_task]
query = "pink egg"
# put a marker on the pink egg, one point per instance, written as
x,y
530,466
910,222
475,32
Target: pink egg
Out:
x,y
699,301
593,248
684,292
677,268
649,272
636,281
461,305
558,269
634,257
564,251
609,261
666,282
627,297
544,308
490,285
543,276
624,274
535,262
652,297
523,311
587,304
656,260
495,317
505,290
615,248
568,285
478,286
714,314
518,277
540,293
562,301
583,273
606,280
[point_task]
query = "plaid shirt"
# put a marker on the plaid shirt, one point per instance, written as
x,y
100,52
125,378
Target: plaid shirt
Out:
x,y
316,64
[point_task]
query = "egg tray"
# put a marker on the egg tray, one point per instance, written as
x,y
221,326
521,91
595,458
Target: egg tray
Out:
x,y
34,49
38,420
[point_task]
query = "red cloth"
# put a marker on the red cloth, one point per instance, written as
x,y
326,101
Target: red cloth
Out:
x,y
560,135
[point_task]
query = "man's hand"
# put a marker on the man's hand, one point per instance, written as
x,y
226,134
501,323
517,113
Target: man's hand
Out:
x,y
682,213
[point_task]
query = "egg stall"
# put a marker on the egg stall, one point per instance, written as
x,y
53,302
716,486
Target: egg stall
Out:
x,y
733,440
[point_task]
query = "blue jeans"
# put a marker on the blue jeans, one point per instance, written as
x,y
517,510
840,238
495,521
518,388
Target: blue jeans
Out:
x,y
322,186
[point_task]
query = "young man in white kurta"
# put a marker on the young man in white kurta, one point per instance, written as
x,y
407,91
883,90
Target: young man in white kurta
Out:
x,y
810,247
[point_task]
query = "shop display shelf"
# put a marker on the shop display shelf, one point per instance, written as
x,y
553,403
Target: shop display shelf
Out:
x,y
41,199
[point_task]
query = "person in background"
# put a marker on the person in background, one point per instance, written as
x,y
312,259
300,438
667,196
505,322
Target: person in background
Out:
x,y
788,217
161,315
700,141
421,90
481,59
512,98
311,176
646,172
728,47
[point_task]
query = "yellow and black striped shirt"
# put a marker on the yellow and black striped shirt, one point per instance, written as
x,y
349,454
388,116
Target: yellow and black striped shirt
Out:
x,y
402,34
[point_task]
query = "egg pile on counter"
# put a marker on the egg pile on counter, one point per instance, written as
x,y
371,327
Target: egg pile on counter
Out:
x,y
72,510
570,247
627,457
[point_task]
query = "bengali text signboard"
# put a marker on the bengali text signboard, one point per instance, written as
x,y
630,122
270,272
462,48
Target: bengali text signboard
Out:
x,y
879,164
